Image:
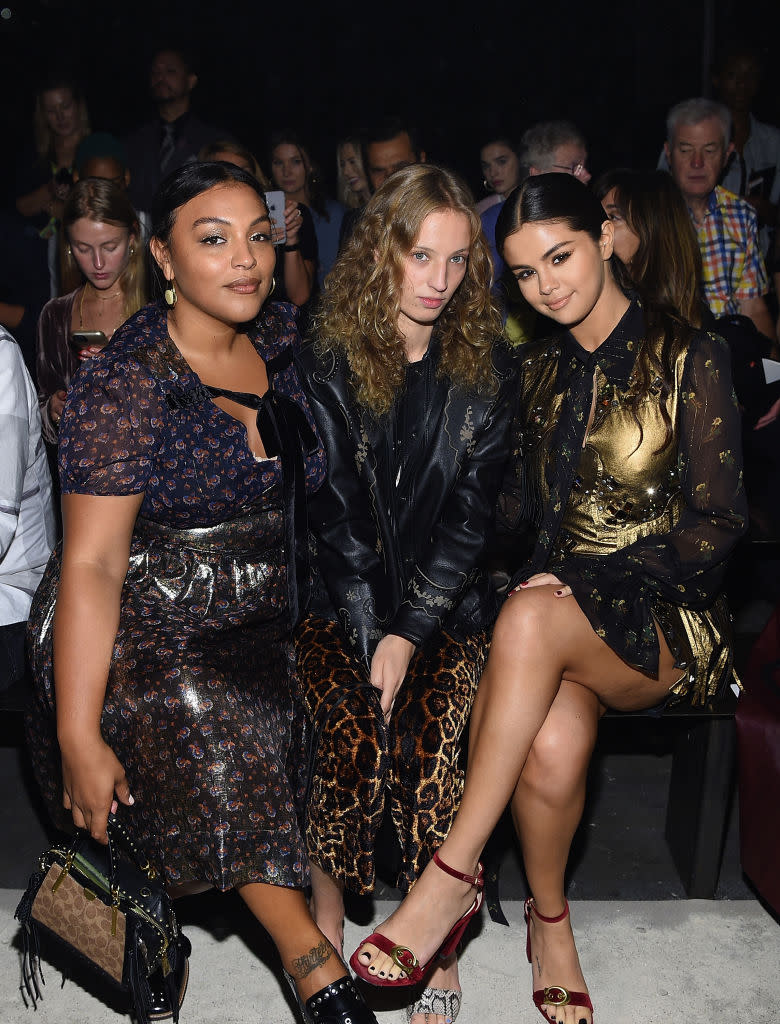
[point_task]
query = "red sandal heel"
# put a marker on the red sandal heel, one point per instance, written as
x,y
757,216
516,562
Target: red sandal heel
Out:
x,y
412,971
553,995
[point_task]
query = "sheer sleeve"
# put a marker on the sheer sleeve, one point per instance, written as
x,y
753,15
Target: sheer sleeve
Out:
x,y
686,565
110,428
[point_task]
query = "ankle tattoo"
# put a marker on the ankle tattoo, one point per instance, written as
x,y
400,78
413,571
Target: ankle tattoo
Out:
x,y
316,957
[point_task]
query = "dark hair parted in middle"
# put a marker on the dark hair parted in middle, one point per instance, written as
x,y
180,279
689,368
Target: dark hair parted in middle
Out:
x,y
560,197
545,197
362,300
189,181
184,184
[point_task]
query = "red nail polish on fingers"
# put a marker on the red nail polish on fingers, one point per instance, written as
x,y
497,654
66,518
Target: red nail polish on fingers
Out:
x,y
524,584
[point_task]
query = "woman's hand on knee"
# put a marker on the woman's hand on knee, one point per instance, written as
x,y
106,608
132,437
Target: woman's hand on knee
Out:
x,y
388,668
93,782
544,579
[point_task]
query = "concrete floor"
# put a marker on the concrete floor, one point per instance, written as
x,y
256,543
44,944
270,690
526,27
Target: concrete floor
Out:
x,y
649,954
653,962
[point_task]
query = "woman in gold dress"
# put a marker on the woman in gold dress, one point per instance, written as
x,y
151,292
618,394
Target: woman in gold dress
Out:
x,y
627,464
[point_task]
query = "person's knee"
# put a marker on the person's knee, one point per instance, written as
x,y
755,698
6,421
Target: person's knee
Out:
x,y
525,619
559,755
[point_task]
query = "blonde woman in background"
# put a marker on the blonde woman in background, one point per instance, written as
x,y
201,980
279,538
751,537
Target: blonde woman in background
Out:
x,y
104,280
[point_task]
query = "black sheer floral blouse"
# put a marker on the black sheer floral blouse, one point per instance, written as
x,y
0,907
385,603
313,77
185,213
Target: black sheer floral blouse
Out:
x,y
640,532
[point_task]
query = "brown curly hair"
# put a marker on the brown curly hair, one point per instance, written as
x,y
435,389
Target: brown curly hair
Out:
x,y
362,300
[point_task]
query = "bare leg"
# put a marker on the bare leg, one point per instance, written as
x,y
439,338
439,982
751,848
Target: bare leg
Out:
x,y
547,807
305,952
539,641
327,906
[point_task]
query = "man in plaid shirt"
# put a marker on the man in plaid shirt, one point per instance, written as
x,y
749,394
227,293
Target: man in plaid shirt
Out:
x,y
697,148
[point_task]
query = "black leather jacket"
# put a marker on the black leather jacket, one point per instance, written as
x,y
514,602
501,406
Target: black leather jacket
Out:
x,y
399,542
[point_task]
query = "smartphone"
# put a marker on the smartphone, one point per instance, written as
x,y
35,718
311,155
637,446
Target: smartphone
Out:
x,y
86,339
275,203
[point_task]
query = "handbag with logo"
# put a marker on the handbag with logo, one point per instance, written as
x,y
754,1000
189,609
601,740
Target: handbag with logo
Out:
x,y
114,913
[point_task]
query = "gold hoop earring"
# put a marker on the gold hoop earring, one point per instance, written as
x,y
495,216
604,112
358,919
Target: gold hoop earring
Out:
x,y
170,295
273,286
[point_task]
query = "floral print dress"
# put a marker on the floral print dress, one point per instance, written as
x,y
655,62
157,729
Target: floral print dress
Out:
x,y
200,697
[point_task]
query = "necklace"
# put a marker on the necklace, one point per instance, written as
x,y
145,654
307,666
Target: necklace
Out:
x,y
114,295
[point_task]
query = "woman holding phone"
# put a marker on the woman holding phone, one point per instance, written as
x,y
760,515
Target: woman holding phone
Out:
x,y
103,274
627,465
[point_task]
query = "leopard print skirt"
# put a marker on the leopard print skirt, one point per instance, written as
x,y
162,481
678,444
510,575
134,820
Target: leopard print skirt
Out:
x,y
358,762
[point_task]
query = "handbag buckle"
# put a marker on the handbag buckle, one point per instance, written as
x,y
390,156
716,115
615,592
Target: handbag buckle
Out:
x,y
114,909
65,870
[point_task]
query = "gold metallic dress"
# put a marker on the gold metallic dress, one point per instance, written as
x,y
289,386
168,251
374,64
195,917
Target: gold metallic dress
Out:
x,y
638,529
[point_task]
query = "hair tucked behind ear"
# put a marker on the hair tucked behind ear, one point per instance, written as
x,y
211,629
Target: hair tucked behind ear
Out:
x,y
103,201
551,197
361,304
184,184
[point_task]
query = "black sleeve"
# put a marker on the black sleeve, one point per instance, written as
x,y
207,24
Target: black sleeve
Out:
x,y
459,539
350,556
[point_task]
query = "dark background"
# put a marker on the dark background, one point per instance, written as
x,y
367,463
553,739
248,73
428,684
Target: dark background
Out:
x,y
462,71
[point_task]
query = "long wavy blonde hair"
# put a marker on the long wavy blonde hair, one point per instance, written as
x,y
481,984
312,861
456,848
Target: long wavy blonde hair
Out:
x,y
362,300
101,200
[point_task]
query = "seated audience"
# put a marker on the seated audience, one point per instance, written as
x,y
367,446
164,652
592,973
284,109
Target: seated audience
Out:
x,y
294,173
389,146
698,145
103,264
234,153
555,146
175,135
353,190
27,531
101,155
61,121
500,163
753,169
502,172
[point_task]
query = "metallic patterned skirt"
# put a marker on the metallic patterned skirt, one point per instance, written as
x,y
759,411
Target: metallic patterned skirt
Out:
x,y
200,700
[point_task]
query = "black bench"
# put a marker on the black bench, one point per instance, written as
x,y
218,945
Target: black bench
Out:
x,y
700,790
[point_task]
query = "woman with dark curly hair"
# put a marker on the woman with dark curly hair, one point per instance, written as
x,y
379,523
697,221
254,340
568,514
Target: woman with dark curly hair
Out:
x,y
412,396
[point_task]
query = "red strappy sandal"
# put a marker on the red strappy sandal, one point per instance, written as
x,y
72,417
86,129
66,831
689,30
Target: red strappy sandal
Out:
x,y
553,995
412,971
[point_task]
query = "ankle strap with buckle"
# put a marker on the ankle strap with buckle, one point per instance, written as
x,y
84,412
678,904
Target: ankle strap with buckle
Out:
x,y
477,880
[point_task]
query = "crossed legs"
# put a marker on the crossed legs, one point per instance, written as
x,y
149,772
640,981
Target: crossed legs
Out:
x,y
533,727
